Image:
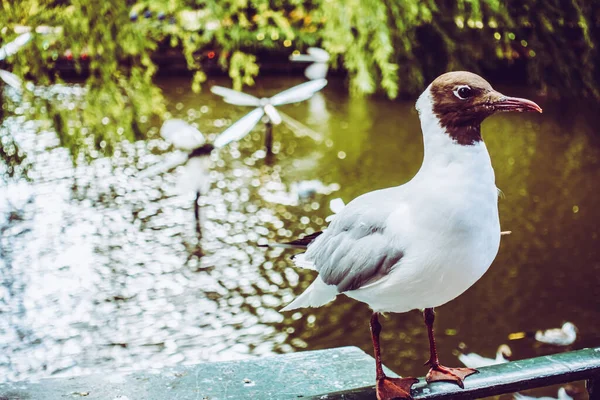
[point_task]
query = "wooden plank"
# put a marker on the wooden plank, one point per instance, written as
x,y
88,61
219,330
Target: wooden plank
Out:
x,y
498,379
287,376
342,373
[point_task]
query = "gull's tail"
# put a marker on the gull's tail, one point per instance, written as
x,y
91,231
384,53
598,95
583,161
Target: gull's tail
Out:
x,y
316,295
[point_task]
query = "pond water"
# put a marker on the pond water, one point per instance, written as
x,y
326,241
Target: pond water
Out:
x,y
102,270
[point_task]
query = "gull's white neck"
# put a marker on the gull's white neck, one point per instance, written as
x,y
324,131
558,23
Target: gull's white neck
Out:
x,y
441,150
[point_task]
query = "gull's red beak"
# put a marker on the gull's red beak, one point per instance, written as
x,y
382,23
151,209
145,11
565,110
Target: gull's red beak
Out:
x,y
505,103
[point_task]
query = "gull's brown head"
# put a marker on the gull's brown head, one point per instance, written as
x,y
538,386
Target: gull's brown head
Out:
x,y
462,100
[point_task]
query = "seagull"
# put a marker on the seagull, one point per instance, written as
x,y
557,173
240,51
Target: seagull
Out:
x,y
562,395
421,244
194,152
474,360
319,59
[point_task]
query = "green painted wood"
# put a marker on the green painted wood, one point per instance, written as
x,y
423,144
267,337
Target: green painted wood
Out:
x,y
288,376
334,374
504,378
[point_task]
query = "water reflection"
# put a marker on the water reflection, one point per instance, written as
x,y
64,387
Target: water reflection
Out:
x,y
102,270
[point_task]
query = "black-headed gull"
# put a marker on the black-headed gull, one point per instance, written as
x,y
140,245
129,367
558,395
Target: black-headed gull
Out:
x,y
421,244
474,360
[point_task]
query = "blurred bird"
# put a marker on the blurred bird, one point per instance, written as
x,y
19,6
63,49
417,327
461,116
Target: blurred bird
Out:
x,y
308,189
562,395
474,360
563,336
319,59
298,193
8,50
421,244
191,150
11,48
264,106
194,152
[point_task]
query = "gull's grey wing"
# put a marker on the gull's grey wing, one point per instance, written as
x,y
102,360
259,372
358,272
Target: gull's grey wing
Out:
x,y
355,250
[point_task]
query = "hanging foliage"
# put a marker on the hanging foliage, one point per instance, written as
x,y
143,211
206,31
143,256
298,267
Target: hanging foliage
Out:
x,y
383,46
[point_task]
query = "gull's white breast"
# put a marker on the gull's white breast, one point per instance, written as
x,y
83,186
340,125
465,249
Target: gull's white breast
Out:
x,y
448,227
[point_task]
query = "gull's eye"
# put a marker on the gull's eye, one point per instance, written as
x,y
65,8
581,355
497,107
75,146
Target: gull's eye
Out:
x,y
463,92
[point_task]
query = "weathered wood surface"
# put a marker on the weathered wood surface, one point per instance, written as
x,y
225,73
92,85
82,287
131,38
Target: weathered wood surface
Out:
x,y
503,378
289,376
334,374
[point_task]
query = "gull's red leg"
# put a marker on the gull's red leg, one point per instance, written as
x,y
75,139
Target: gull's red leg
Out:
x,y
439,372
387,388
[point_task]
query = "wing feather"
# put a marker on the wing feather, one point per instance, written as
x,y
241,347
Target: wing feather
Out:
x,y
355,251
301,243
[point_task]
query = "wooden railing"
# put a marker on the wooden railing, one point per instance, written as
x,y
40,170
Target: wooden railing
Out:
x,y
506,378
334,374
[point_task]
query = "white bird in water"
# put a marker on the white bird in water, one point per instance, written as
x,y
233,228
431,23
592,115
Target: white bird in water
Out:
x,y
474,360
563,336
319,59
421,244
562,395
